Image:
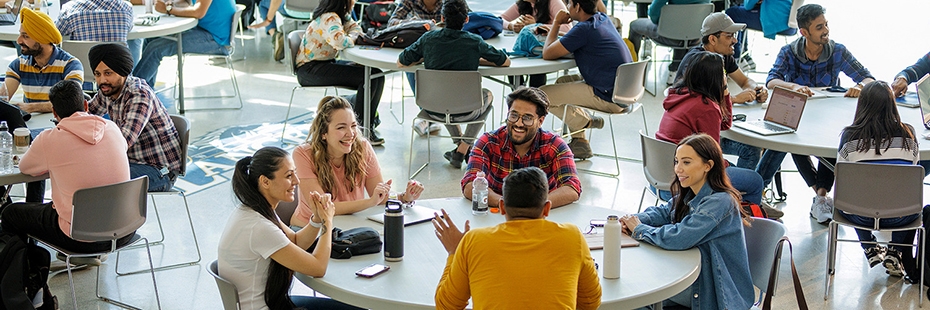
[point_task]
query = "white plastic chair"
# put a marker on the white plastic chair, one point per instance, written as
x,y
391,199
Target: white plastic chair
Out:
x,y
658,166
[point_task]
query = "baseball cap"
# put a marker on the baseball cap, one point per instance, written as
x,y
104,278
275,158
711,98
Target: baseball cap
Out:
x,y
718,22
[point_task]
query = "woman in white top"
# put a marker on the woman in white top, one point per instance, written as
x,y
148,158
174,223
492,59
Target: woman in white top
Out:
x,y
257,252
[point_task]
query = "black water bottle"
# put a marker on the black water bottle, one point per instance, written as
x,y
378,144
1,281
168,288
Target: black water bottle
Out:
x,y
393,231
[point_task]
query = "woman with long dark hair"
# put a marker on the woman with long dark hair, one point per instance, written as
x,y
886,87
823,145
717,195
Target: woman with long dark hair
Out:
x,y
699,102
331,31
528,12
877,135
337,161
257,252
704,213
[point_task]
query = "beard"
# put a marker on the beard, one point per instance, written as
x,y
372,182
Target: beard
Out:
x,y
34,50
528,136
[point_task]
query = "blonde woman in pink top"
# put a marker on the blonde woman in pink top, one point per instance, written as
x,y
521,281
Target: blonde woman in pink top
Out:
x,y
336,159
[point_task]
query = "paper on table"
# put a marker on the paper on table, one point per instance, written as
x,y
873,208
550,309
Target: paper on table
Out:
x,y
596,241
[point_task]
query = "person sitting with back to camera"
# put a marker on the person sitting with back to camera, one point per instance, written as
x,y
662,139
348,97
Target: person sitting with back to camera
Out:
x,y
703,213
337,160
451,48
494,265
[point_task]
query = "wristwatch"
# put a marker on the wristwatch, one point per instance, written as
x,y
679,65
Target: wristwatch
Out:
x,y
168,6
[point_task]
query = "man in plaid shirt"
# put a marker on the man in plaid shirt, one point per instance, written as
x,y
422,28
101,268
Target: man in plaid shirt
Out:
x,y
522,143
98,20
154,144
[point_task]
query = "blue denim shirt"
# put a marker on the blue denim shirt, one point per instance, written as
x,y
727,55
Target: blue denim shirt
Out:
x,y
713,226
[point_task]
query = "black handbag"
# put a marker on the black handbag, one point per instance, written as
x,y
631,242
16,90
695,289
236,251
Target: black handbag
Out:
x,y
351,242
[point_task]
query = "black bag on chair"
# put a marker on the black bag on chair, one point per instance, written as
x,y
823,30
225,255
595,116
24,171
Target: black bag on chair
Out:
x,y
23,275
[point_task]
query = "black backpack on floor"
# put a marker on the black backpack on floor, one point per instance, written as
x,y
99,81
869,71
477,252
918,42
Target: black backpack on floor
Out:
x,y
24,274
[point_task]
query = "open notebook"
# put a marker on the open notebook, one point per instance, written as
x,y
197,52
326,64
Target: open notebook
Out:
x,y
412,215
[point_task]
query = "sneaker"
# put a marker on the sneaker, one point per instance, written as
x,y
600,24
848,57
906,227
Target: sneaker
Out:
x,y
746,64
671,77
771,211
581,148
821,211
596,122
374,139
424,128
647,50
455,158
278,38
875,255
892,263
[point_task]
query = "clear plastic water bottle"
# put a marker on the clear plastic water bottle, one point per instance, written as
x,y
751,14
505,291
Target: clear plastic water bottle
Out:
x,y
479,195
6,148
612,247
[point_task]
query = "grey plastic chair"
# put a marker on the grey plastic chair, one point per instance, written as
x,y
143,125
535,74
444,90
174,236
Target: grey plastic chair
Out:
x,y
764,251
80,50
448,93
183,127
302,6
658,165
230,50
293,47
628,90
889,191
105,214
680,22
228,291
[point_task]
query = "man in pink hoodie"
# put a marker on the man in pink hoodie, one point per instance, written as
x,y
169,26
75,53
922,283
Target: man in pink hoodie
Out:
x,y
82,151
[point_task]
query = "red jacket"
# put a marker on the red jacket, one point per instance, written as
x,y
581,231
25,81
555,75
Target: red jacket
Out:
x,y
689,113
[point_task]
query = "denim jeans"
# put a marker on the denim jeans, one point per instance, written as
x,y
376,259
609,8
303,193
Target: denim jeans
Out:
x,y
263,8
769,164
903,237
41,220
644,27
196,40
748,154
744,180
822,177
158,182
739,14
307,302
340,73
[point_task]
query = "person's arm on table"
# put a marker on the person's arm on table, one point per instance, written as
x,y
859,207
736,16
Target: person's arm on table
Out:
x,y
35,161
749,88
553,49
562,169
453,290
294,256
911,74
198,10
410,56
779,71
491,56
692,228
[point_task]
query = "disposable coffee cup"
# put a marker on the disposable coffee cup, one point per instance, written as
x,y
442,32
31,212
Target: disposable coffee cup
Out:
x,y
21,137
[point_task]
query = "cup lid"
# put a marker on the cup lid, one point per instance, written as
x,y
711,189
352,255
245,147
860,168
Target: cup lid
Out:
x,y
21,131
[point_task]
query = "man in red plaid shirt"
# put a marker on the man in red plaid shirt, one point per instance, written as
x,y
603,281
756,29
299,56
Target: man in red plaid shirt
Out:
x,y
522,143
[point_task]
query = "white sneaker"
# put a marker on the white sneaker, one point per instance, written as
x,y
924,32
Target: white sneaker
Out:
x,y
424,128
647,50
822,209
671,77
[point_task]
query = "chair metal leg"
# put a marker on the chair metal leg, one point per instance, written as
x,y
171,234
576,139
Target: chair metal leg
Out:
x,y
287,116
172,266
151,270
921,235
831,259
400,120
642,197
410,157
235,82
642,110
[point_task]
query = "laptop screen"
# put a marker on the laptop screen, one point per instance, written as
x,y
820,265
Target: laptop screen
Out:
x,y
923,96
785,107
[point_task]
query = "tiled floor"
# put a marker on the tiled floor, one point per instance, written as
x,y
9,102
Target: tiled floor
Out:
x,y
885,36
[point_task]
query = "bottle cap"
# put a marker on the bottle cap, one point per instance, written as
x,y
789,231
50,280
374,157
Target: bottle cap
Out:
x,y
613,217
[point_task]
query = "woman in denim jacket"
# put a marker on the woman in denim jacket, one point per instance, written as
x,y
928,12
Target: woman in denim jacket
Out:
x,y
704,213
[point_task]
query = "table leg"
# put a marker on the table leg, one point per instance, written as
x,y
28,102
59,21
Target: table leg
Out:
x,y
657,306
366,120
180,76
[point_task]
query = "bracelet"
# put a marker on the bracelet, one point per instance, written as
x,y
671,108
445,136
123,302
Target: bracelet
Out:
x,y
315,224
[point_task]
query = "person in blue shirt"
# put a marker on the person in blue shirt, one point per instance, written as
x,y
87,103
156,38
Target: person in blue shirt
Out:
x,y
704,213
911,74
813,60
598,50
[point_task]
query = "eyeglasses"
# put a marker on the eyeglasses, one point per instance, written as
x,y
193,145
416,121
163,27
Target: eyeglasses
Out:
x,y
528,119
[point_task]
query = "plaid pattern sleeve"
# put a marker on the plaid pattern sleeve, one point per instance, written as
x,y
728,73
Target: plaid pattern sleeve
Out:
x,y
790,68
145,124
494,154
96,20
847,63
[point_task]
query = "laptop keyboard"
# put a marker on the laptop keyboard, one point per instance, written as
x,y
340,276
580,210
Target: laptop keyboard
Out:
x,y
7,18
774,128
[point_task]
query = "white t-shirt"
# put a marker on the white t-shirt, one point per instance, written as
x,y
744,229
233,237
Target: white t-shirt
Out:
x,y
244,255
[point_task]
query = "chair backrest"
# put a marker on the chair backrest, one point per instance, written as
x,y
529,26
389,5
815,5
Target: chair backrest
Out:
x,y
228,291
184,134
761,242
658,161
109,212
683,21
878,190
628,86
286,209
236,18
306,6
293,47
80,49
448,92
793,13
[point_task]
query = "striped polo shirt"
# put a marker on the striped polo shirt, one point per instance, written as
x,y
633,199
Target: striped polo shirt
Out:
x,y
36,81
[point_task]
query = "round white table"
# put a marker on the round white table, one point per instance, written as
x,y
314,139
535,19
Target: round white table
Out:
x,y
386,58
167,25
648,274
818,133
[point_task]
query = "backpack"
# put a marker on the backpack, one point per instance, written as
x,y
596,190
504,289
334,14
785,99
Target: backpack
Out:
x,y
377,14
484,24
399,36
23,275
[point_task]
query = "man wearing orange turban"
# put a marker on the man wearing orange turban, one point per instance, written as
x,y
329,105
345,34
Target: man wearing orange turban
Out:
x,y
42,63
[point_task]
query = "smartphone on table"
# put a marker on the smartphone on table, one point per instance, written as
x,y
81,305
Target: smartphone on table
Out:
x,y
372,270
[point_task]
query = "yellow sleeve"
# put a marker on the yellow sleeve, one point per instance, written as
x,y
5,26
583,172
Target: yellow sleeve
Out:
x,y
589,285
453,290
